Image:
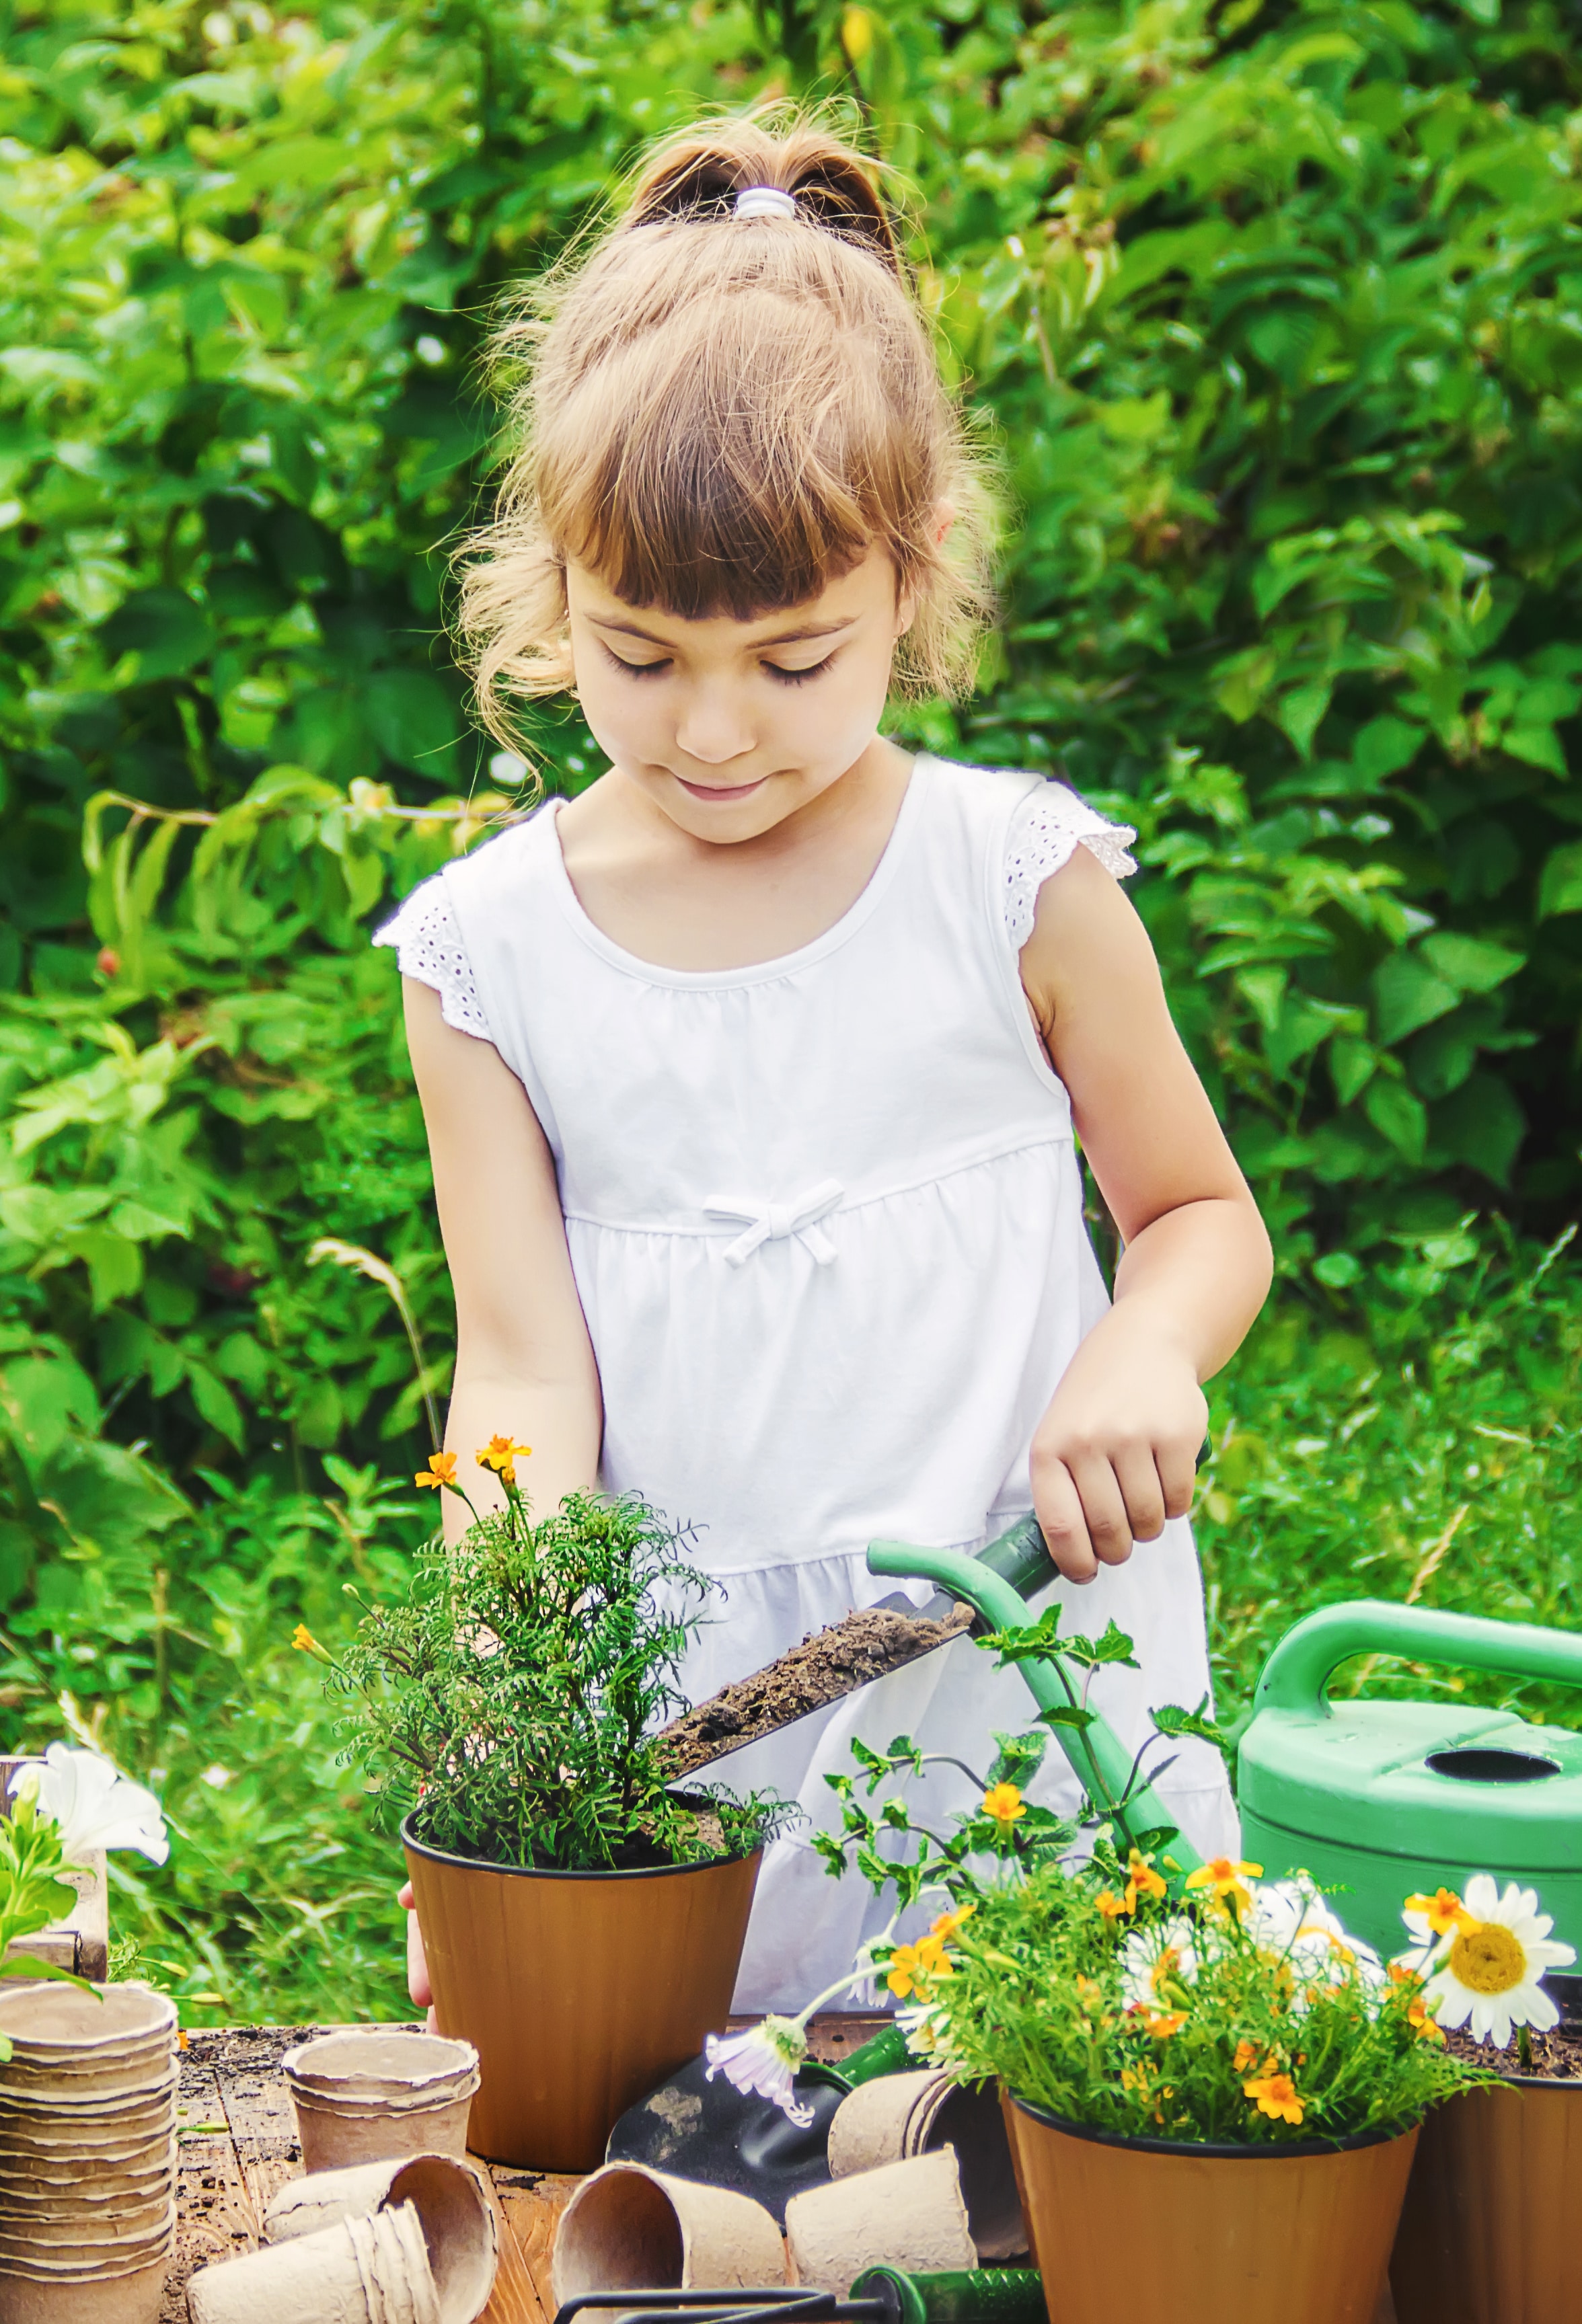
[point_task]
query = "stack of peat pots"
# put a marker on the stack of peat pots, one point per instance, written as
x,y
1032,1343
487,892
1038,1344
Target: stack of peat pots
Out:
x,y
87,2154
367,2095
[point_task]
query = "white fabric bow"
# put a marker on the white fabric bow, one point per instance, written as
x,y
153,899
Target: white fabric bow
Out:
x,y
773,1222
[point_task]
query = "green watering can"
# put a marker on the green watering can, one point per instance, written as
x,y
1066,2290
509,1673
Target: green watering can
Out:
x,y
1376,1800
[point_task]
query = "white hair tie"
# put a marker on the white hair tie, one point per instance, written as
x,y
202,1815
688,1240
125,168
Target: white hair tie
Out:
x,y
764,201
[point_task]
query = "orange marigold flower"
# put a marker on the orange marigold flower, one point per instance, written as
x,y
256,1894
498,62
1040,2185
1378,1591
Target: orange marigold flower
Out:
x,y
1003,1802
946,1926
1246,2053
500,1454
911,1966
1169,2022
1141,1878
1424,2023
441,1471
1275,2095
1113,1907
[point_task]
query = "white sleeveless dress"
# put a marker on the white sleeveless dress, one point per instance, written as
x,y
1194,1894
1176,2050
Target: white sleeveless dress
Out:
x,y
825,1216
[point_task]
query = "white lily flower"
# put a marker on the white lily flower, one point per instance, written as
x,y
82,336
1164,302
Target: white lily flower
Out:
x,y
1488,1968
765,2060
94,1805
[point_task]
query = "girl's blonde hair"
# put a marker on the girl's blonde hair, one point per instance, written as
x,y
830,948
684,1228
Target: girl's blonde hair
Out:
x,y
722,414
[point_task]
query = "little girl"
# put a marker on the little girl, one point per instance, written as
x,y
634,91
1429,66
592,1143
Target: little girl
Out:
x,y
751,1074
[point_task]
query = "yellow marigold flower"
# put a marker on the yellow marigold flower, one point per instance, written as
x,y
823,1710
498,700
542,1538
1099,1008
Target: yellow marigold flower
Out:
x,y
1275,2095
1167,2022
441,1471
1142,1880
1003,1802
1247,2052
1444,1912
1113,1907
1090,1993
902,1975
1226,1876
304,1641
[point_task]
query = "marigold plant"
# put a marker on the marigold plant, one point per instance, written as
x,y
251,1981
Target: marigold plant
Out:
x,y
506,1699
1237,2013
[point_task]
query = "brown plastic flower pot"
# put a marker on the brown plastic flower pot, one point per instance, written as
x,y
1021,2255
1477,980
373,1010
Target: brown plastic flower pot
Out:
x,y
1489,2232
1302,2233
580,1991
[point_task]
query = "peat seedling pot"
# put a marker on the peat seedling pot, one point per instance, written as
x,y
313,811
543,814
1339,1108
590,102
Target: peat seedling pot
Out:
x,y
579,1990
1489,2232
1302,2233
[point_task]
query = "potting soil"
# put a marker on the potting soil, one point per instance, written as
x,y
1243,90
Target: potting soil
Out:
x,y
828,1663
1556,2057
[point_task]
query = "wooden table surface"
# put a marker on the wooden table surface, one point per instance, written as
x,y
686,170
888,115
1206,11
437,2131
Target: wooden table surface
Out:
x,y
238,2145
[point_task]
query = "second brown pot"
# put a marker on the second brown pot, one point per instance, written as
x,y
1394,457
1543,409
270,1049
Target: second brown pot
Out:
x,y
1206,2233
579,1990
1489,2232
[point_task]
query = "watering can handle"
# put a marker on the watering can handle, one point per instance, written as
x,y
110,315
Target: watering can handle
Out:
x,y
1297,1672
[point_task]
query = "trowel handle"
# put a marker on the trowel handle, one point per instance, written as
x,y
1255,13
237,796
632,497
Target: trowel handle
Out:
x,y
1297,1672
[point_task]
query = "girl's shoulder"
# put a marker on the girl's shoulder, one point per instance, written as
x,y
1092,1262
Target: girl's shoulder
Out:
x,y
1033,824
425,931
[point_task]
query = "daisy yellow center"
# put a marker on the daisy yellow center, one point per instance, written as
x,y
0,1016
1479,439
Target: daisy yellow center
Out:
x,y
1488,1959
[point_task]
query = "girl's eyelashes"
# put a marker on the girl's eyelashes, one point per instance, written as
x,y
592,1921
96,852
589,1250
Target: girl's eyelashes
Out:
x,y
636,668
772,669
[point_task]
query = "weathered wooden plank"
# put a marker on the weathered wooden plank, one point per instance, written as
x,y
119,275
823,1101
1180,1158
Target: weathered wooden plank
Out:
x,y
529,2207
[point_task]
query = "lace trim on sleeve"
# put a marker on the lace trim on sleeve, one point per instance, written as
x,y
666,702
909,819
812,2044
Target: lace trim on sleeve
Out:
x,y
427,945
1047,828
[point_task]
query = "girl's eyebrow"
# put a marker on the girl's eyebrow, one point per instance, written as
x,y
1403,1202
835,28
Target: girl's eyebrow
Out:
x,y
780,637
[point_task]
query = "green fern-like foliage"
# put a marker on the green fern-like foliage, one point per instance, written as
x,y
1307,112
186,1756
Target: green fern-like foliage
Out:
x,y
507,1699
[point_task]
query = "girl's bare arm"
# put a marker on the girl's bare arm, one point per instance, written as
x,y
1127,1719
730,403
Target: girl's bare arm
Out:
x,y
523,1362
1115,1453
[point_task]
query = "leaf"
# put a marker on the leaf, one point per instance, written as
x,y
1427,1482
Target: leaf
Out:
x,y
1068,1714
164,629
1398,1116
1483,1125
1407,994
1469,963
1560,888
413,722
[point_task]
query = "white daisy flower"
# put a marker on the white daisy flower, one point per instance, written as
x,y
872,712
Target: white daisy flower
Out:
x,y
927,2034
1488,1971
1292,1918
1150,1955
763,2060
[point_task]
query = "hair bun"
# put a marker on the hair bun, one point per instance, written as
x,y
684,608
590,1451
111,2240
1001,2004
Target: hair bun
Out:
x,y
698,176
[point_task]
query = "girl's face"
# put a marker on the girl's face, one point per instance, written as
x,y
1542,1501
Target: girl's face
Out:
x,y
730,726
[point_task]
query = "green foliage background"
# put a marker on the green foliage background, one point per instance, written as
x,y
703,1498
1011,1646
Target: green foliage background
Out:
x,y
1276,316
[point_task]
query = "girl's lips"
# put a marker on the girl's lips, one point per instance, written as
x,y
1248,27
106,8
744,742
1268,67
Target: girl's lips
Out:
x,y
722,791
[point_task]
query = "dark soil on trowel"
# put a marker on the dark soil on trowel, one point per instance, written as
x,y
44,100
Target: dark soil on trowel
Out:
x,y
1556,2057
828,1663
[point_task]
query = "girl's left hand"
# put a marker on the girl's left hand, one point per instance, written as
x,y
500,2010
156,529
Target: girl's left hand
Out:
x,y
1116,1453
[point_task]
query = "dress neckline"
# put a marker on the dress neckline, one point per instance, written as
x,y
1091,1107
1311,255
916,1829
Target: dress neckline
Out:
x,y
760,971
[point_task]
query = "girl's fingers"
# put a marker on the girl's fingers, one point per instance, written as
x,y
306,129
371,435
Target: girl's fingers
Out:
x,y
1178,1475
1104,1508
1058,1507
1141,1493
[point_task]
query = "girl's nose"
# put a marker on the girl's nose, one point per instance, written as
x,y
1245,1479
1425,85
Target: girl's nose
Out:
x,y
712,732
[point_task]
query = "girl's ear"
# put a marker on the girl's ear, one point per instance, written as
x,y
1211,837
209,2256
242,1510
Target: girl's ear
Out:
x,y
906,606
